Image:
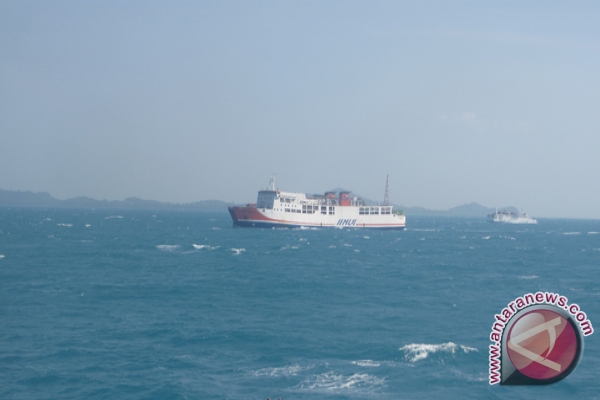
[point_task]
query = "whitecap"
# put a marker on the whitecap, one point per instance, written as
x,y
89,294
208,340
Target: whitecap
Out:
x,y
347,245
87,225
330,381
287,247
1,256
529,277
357,251
64,224
486,237
593,233
168,247
332,247
214,228
572,233
415,352
291,370
237,251
204,247
366,237
366,363
114,217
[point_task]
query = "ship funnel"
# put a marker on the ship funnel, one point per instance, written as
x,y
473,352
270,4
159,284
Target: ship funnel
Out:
x,y
345,199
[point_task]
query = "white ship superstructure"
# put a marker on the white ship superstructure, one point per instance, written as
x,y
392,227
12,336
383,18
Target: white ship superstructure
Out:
x,y
511,218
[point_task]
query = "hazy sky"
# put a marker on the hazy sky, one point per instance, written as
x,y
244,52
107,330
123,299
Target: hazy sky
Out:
x,y
492,102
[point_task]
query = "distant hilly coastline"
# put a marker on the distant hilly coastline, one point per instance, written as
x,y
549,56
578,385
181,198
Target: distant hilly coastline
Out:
x,y
11,198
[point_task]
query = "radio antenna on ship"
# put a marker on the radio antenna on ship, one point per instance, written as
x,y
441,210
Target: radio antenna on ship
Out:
x,y
386,197
272,183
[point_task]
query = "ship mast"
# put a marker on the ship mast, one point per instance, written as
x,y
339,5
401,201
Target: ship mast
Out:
x,y
386,197
272,183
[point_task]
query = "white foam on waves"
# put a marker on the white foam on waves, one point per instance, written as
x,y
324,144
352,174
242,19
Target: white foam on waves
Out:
x,y
204,246
168,247
331,382
237,251
62,224
367,363
1,256
291,370
415,352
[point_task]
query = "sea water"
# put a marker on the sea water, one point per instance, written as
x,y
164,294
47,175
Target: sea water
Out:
x,y
104,304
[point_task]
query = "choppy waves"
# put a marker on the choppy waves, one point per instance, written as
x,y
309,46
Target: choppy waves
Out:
x,y
334,382
183,305
416,352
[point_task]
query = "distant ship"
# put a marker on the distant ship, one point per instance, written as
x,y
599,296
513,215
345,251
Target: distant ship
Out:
x,y
276,208
511,218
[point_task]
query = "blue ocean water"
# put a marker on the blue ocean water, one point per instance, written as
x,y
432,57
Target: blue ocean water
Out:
x,y
104,304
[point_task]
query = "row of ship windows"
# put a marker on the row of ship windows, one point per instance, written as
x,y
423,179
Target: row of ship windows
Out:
x,y
375,210
313,209
331,210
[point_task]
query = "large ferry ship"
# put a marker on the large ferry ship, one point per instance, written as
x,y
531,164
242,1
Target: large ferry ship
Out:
x,y
276,208
511,218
